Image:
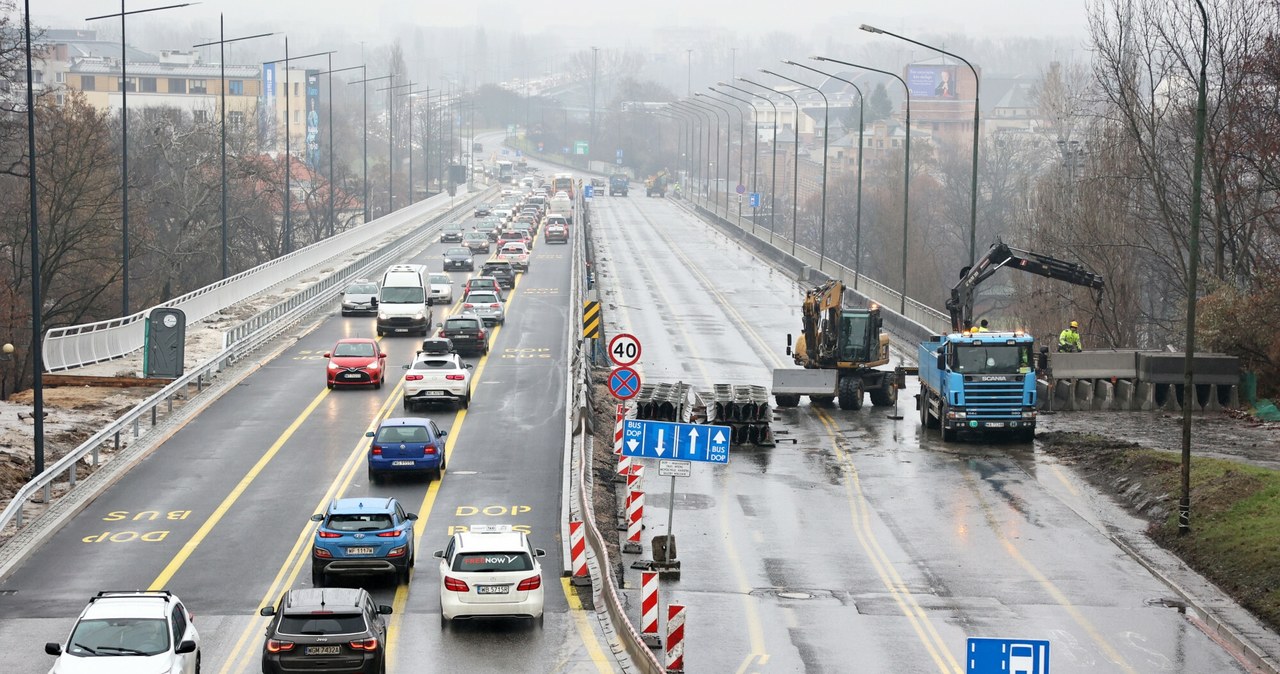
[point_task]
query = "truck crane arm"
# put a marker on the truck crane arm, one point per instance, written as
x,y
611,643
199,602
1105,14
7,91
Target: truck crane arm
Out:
x,y
960,304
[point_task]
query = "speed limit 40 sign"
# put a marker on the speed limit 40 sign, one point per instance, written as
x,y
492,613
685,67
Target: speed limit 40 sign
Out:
x,y
624,350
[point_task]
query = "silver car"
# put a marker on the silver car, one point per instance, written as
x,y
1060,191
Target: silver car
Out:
x,y
486,305
361,297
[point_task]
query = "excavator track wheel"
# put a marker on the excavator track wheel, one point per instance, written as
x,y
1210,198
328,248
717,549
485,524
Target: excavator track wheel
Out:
x,y
787,400
850,393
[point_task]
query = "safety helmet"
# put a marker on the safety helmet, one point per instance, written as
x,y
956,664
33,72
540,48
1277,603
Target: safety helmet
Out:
x,y
1074,324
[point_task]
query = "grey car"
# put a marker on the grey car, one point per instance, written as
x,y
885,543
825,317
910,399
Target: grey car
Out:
x,y
459,258
476,242
486,305
452,233
361,297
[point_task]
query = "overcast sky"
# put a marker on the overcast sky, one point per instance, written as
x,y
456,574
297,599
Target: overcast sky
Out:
x,y
365,19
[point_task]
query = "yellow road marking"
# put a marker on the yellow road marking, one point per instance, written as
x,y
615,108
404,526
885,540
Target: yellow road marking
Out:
x,y
579,616
1062,477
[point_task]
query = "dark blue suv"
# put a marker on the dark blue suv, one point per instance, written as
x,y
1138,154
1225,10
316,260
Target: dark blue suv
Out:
x,y
406,444
360,536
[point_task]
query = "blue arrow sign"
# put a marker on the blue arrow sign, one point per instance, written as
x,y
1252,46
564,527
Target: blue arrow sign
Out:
x,y
588,192
1007,656
755,200
670,440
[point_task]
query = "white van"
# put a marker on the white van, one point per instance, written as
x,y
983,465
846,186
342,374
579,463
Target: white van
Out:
x,y
404,305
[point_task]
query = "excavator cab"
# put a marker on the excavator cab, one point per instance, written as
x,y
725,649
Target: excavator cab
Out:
x,y
860,336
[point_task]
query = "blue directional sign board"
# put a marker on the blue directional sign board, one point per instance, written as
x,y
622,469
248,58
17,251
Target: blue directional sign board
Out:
x,y
588,191
671,440
755,200
1007,656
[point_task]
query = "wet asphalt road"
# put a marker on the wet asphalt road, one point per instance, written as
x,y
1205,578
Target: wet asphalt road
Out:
x,y
219,514
862,546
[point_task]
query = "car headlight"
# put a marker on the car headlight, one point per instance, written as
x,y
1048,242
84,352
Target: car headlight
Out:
x,y
382,316
420,316
334,366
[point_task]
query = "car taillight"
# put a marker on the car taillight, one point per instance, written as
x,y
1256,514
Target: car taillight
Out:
x,y
454,377
322,553
530,583
428,450
370,644
440,333
480,334
389,534
412,377
376,451
328,534
277,646
454,585
495,305
398,552
468,305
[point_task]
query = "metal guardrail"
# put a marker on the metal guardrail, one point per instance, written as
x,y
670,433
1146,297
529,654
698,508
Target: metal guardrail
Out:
x,y
77,345
238,342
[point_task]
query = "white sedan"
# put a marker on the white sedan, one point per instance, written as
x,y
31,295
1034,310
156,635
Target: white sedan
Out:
x,y
517,254
437,378
491,571
441,289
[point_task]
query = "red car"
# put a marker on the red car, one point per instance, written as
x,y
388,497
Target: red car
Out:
x,y
356,361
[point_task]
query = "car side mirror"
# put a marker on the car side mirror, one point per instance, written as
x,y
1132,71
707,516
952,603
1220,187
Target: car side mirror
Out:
x,y
383,609
53,648
942,361
439,554
382,354
539,552
373,301
443,433
267,611
317,517
468,365
405,367
185,647
411,516
368,434
328,354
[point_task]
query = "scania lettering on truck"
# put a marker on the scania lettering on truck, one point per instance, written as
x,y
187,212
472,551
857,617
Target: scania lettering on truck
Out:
x,y
403,306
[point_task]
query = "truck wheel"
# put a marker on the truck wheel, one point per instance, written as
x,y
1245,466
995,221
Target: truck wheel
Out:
x,y
786,400
948,434
886,395
821,401
850,393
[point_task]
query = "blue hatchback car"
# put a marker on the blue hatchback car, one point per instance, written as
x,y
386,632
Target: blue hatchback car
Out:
x,y
406,444
360,536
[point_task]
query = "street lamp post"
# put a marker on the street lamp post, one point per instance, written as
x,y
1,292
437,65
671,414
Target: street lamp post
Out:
x,y
755,151
826,128
364,126
707,157
795,171
727,121
857,236
973,182
37,359
686,120
728,147
287,244
222,58
773,172
906,171
391,140
124,142
332,213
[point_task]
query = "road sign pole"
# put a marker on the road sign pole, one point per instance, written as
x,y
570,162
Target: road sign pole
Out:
x,y
671,512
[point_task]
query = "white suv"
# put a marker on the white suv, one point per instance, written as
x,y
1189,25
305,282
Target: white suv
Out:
x,y
437,378
130,631
490,571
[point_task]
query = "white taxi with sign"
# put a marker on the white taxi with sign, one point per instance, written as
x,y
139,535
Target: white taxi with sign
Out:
x,y
490,572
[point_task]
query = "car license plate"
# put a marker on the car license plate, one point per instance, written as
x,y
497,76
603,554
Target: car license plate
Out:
x,y
493,589
435,393
359,551
402,329
323,650
402,463
995,424
351,375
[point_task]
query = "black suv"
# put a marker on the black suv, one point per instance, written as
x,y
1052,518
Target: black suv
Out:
x,y
466,331
501,270
333,629
451,233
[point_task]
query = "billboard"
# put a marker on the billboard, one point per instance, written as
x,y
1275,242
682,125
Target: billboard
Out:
x,y
267,111
313,118
931,81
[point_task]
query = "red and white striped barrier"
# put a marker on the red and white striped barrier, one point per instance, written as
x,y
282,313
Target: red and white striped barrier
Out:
x,y
675,638
624,468
635,517
649,608
635,478
578,553
617,429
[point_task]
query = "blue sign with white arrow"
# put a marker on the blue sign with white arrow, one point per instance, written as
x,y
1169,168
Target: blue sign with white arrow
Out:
x,y
670,440
754,200
1007,656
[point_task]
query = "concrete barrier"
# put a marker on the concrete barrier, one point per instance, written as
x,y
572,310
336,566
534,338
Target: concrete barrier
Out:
x,y
1104,395
1095,365
1083,394
1208,368
1124,395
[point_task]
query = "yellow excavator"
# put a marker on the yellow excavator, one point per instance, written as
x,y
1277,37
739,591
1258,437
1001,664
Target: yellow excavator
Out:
x,y
656,184
839,349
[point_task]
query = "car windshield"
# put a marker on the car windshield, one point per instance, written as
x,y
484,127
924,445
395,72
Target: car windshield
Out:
x,y
461,324
481,283
992,359
357,349
315,624
460,251
489,562
403,434
513,250
491,269
359,522
434,364
403,295
482,298
452,227
440,279
362,289
119,636
474,236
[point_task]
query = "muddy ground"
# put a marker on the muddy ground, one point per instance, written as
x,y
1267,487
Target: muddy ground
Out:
x,y
604,467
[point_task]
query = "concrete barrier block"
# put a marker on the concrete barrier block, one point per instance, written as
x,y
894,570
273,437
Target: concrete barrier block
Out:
x,y
1083,394
1233,397
1145,398
1094,365
1042,394
1124,395
1104,393
1063,395
1211,402
1169,398
1167,368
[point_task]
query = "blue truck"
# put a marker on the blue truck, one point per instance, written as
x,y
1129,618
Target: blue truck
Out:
x,y
978,381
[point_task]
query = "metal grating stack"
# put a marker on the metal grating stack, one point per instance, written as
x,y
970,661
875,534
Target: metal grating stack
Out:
x,y
664,402
744,408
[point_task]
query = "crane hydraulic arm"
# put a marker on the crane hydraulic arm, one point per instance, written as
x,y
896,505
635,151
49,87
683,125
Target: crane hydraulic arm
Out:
x,y
960,305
